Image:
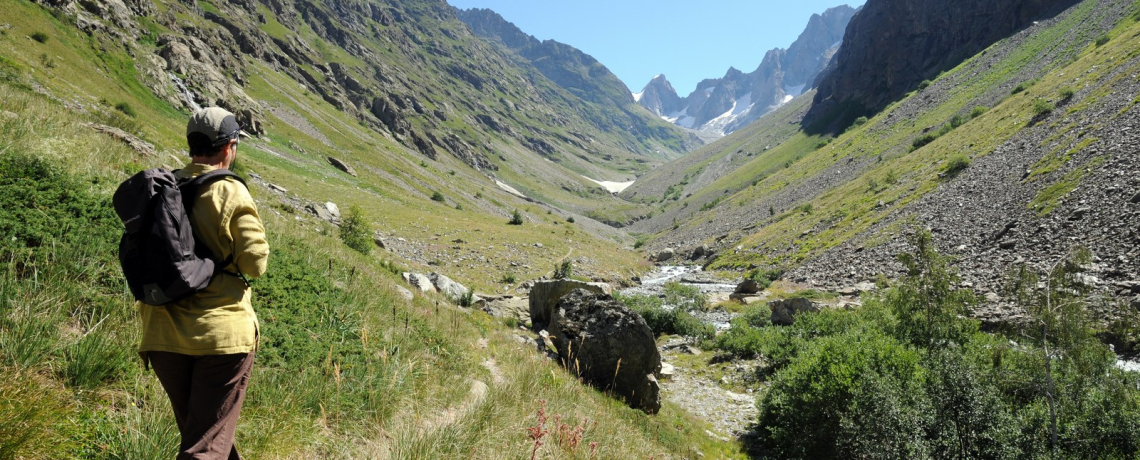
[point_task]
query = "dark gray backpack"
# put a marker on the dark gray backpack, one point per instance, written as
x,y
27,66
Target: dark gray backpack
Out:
x,y
161,257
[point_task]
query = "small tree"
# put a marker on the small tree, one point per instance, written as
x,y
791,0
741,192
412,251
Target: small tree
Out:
x,y
516,218
564,270
929,309
356,232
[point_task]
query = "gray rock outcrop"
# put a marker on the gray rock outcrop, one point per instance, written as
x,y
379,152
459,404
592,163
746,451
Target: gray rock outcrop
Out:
x,y
447,286
545,294
784,311
608,346
419,281
893,45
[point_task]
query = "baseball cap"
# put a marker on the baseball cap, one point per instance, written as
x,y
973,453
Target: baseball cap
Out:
x,y
212,127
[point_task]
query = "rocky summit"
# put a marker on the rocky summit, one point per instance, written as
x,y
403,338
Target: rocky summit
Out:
x,y
722,105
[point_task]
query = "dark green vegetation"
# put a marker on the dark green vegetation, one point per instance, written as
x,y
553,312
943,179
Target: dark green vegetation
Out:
x,y
673,313
356,232
909,376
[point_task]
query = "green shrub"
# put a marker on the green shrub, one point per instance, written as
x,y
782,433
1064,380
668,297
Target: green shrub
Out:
x,y
126,109
356,232
955,165
923,85
40,37
806,208
516,218
859,121
570,220
1041,107
436,196
764,277
684,297
509,278
1020,88
929,309
957,121
756,315
922,141
853,395
662,320
978,111
1066,93
564,269
745,341
1102,40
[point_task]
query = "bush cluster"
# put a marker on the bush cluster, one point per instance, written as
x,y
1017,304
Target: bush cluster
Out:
x,y
671,314
909,375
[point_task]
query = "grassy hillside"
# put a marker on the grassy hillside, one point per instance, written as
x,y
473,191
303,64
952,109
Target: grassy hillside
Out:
x,y
346,369
806,195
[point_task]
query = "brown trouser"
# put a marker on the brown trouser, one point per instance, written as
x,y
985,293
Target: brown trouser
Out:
x,y
206,393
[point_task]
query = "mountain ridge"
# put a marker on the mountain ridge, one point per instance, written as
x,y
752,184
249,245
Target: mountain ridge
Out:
x,y
723,105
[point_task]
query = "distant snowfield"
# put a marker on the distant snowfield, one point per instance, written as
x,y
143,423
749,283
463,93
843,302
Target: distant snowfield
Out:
x,y
612,187
637,96
509,189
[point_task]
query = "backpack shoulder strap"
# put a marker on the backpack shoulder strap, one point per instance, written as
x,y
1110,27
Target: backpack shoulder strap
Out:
x,y
189,189
211,177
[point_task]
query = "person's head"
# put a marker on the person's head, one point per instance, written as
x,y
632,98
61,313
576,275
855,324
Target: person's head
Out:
x,y
212,135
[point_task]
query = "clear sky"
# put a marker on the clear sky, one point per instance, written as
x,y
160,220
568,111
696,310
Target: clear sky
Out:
x,y
687,41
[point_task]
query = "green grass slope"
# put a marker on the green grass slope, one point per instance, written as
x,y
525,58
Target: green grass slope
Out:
x,y
807,195
347,368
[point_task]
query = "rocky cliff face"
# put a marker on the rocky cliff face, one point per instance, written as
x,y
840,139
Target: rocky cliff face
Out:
x,y
893,45
659,96
726,104
567,66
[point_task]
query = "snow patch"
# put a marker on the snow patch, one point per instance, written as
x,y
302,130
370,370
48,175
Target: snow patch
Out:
x,y
637,96
794,90
612,187
509,189
740,108
787,99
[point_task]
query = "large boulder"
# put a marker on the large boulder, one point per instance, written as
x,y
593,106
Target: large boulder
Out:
x,y
608,346
419,281
449,288
748,286
784,311
544,295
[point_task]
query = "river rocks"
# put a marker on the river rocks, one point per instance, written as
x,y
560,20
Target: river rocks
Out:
x,y
608,346
784,311
544,295
665,255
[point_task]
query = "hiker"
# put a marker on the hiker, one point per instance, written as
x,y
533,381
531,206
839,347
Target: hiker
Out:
x,y
202,347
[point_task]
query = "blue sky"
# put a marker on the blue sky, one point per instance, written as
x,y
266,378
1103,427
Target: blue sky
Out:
x,y
688,40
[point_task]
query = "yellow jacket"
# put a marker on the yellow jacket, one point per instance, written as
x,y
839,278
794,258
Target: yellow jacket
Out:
x,y
220,319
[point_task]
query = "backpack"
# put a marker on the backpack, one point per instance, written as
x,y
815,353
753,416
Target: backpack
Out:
x,y
162,259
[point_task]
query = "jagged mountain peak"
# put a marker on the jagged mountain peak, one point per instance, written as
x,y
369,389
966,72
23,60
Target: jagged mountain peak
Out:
x,y
722,105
